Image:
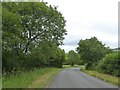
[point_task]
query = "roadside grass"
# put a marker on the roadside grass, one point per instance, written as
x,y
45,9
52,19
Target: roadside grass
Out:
x,y
38,78
108,78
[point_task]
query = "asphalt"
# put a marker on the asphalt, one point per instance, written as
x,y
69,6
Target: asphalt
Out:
x,y
74,78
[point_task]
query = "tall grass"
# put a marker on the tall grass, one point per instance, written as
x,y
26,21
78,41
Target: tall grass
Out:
x,y
29,79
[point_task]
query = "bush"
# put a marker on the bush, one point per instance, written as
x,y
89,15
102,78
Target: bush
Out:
x,y
11,60
110,64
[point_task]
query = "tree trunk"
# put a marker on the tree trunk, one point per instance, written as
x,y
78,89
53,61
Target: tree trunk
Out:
x,y
72,64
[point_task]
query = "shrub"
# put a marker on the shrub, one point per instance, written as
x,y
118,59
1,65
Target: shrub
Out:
x,y
110,64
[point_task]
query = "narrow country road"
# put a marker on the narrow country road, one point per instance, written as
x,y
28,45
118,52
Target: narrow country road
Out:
x,y
74,78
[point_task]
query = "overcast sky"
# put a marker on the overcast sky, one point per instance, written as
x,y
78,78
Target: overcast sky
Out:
x,y
88,18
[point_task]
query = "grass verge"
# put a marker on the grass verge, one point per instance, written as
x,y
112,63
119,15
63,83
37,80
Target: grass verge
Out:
x,y
38,78
108,78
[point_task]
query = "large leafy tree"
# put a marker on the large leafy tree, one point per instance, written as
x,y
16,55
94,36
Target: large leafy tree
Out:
x,y
12,43
91,51
38,21
26,25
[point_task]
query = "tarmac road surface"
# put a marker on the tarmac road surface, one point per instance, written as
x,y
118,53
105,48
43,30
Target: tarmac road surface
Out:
x,y
74,78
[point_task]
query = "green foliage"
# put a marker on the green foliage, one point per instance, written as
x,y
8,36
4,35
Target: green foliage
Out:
x,y
58,58
72,58
32,32
91,51
110,64
47,54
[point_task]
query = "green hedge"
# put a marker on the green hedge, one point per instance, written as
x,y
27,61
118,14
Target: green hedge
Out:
x,y
110,64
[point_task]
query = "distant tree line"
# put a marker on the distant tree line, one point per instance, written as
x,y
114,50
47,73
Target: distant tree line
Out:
x,y
32,33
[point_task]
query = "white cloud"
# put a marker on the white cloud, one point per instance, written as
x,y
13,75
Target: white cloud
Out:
x,y
88,18
68,47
